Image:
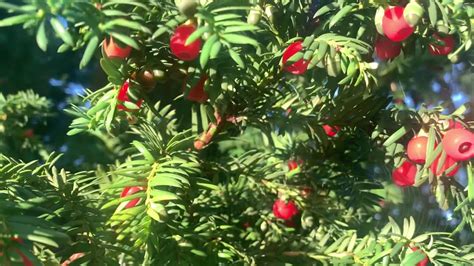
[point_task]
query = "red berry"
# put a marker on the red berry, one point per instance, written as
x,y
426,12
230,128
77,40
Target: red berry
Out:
x,y
113,50
331,131
29,133
127,191
441,49
292,165
306,192
178,41
283,210
448,163
26,261
404,175
458,144
123,97
424,262
197,94
386,49
73,257
298,67
454,124
394,24
416,149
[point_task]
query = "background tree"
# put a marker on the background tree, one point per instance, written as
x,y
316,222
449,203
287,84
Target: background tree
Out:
x,y
255,132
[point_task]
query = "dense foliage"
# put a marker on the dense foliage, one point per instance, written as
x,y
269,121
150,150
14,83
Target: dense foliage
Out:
x,y
246,132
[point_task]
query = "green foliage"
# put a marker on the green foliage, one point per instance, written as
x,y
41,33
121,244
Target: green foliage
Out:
x,y
211,204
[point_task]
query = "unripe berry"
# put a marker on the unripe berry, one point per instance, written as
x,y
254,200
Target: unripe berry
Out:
x,y
178,43
404,175
283,210
394,24
187,7
416,149
298,67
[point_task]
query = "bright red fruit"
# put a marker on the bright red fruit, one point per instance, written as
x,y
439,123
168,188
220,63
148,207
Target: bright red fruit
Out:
x,y
441,49
298,67
178,41
454,124
26,261
416,149
331,131
114,50
424,262
448,163
386,49
394,24
123,97
73,257
283,210
127,191
404,175
292,165
197,94
458,144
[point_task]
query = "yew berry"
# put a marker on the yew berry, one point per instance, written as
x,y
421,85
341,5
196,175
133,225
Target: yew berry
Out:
x,y
298,67
404,175
292,165
458,144
423,262
197,93
73,257
24,258
394,25
123,96
416,149
127,191
29,133
386,49
452,124
114,50
283,210
331,131
448,163
178,43
442,46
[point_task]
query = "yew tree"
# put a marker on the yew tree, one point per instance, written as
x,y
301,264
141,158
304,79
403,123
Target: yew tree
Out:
x,y
248,132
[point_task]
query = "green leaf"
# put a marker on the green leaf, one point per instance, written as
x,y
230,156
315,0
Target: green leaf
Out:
x,y
395,136
127,24
125,39
413,258
339,15
470,183
90,50
216,48
19,19
61,31
432,13
197,34
236,57
325,9
206,50
41,38
239,39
